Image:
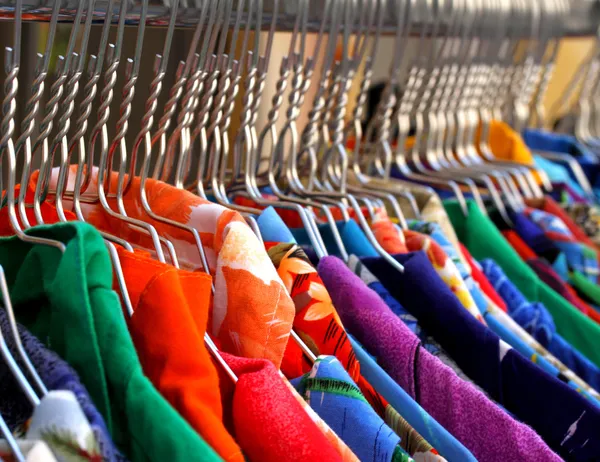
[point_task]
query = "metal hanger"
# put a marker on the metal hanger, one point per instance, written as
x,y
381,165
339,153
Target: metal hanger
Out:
x,y
10,440
457,118
217,132
467,117
366,13
539,81
501,81
12,66
12,60
300,67
402,71
113,53
249,145
32,109
354,128
336,151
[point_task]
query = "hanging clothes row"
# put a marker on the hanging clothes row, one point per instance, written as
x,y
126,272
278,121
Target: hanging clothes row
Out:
x,y
393,270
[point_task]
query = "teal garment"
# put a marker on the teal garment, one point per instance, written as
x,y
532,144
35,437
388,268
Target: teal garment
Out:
x,y
353,238
557,173
483,240
272,228
67,302
334,396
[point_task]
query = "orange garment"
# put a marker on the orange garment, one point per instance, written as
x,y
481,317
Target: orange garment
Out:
x,y
507,144
252,313
167,327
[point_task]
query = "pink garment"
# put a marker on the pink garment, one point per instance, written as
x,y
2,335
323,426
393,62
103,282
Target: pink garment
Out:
x,y
483,427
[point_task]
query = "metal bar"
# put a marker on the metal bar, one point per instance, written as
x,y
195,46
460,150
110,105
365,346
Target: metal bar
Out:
x,y
583,20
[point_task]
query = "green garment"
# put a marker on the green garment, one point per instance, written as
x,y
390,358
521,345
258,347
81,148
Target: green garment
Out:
x,y
585,287
478,233
69,304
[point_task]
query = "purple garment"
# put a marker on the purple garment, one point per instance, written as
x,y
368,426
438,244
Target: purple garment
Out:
x,y
486,430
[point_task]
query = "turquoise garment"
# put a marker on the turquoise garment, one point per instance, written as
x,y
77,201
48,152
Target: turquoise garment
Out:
x,y
353,237
436,435
333,395
272,228
557,173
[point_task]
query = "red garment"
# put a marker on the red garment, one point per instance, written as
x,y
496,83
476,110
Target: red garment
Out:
x,y
483,282
524,251
269,424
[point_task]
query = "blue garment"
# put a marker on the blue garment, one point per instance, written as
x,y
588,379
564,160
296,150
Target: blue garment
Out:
x,y
535,318
334,396
566,144
353,237
56,375
272,228
557,173
435,434
566,421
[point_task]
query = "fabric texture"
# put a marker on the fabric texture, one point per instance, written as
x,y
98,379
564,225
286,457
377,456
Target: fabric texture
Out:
x,y
587,218
511,380
32,450
427,341
170,315
580,257
458,406
333,395
483,240
47,288
56,374
269,424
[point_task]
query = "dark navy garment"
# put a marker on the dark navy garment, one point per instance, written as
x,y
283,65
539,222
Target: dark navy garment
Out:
x,y
566,421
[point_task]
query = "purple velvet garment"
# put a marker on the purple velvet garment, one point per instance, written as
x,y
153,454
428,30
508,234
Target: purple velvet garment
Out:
x,y
485,429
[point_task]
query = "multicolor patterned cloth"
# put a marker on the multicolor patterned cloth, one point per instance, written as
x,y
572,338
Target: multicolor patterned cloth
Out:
x,y
579,257
394,241
333,395
587,216
252,312
318,324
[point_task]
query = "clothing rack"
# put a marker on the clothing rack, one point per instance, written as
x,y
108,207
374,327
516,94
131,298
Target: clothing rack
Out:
x,y
582,20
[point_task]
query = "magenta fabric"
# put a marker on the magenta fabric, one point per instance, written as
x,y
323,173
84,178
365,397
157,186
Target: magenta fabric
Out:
x,y
485,429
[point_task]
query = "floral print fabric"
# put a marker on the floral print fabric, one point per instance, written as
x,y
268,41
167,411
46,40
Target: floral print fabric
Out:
x,y
252,312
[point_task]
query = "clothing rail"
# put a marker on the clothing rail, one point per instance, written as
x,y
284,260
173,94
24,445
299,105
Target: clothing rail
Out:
x,y
583,19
